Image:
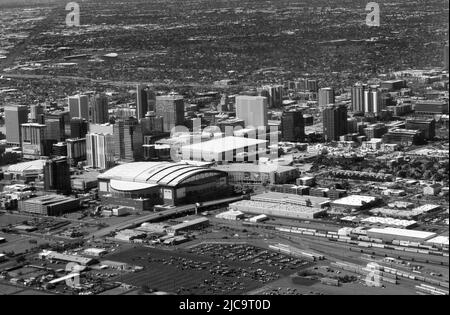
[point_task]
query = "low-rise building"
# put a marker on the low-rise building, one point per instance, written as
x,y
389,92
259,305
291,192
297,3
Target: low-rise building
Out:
x,y
258,174
50,205
354,203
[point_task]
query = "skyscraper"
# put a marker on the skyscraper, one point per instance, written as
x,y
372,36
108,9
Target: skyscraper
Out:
x,y
57,175
446,57
78,128
76,150
292,126
334,122
99,109
171,109
326,96
141,101
36,114
252,110
128,140
152,124
33,137
15,115
64,121
372,101
100,150
79,106
274,94
358,97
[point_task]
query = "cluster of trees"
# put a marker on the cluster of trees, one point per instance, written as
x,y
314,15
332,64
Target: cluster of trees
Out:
x,y
416,168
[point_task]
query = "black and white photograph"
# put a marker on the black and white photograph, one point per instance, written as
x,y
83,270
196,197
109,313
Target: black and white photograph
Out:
x,y
221,153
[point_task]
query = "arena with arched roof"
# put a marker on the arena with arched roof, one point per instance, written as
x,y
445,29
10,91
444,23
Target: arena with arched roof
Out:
x,y
144,184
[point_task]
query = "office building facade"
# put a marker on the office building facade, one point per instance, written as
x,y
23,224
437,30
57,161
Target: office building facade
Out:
x,y
15,115
252,110
334,122
100,150
292,126
171,109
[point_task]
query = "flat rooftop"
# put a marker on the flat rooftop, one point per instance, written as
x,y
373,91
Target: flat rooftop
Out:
x,y
49,199
354,200
255,168
224,144
403,232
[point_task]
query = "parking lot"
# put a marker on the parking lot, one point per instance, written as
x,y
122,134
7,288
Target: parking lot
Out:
x,y
201,270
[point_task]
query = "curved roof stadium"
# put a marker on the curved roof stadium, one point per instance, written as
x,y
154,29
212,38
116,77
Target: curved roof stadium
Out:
x,y
147,174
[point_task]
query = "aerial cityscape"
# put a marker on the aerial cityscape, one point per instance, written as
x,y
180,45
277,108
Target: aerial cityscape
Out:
x,y
224,148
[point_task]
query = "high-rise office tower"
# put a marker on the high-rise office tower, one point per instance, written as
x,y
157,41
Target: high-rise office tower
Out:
x,y
33,140
53,131
79,106
100,150
305,85
334,122
76,150
358,97
326,96
59,149
152,124
57,175
64,121
274,94
38,139
151,100
292,126
372,101
446,57
141,101
99,109
223,105
128,140
78,128
252,110
171,109
15,115
36,114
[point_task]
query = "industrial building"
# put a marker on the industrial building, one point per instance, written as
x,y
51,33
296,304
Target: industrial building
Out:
x,y
354,202
51,255
280,205
229,149
195,224
50,205
144,184
380,221
389,234
231,215
258,174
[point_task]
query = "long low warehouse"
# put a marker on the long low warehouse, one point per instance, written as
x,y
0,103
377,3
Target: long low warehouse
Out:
x,y
390,234
189,225
275,207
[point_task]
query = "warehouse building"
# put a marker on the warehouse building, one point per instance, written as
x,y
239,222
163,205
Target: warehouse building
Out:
x,y
50,205
389,234
283,206
195,224
142,185
379,221
51,255
258,174
229,149
354,203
